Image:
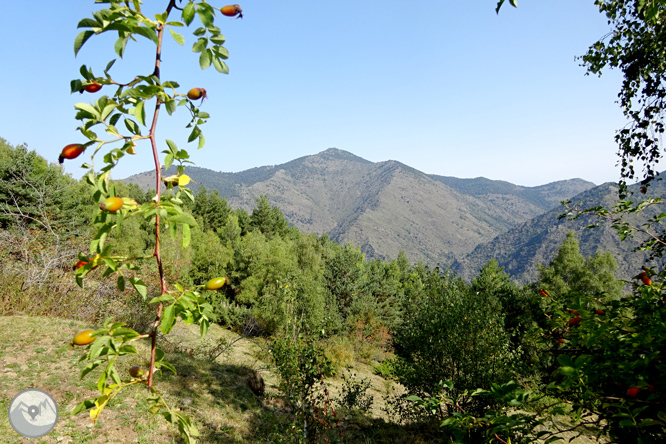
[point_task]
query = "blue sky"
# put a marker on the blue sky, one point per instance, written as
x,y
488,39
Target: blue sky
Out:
x,y
447,87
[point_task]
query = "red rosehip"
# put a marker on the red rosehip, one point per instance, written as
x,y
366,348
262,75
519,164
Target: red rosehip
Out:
x,y
574,321
633,392
93,87
599,312
71,151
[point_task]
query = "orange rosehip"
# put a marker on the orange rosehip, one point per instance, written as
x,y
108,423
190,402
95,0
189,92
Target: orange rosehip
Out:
x,y
83,338
112,204
232,11
79,264
196,94
71,151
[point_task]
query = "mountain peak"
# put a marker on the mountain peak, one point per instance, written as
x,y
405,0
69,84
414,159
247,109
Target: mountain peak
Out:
x,y
338,154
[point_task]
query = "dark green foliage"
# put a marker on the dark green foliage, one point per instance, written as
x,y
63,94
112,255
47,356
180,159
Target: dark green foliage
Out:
x,y
344,278
37,194
269,220
570,271
451,332
521,307
302,366
210,209
353,395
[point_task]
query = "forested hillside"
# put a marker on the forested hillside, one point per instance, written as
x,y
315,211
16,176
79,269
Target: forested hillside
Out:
x,y
385,207
523,247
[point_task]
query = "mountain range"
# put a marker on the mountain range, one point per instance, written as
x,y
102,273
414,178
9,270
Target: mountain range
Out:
x,y
385,207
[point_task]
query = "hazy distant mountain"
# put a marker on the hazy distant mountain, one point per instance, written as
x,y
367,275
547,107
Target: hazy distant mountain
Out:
x,y
386,206
521,248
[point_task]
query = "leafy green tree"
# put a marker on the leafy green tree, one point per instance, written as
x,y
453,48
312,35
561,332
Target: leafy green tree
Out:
x,y
570,271
520,307
37,194
450,332
210,209
344,279
269,220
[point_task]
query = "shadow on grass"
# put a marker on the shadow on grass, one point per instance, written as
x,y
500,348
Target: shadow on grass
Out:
x,y
219,400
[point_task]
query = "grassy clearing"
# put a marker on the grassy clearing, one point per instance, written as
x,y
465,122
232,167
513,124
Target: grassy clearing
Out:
x,y
34,353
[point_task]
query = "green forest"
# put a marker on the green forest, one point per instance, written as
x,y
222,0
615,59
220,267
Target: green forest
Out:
x,y
234,326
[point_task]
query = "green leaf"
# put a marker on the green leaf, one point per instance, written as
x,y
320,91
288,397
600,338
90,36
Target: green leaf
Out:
x,y
81,39
202,141
177,37
170,106
121,283
108,66
187,235
89,109
148,33
188,13
168,160
111,263
205,59
128,349
221,52
168,319
220,66
114,375
194,134
133,127
88,368
120,46
172,147
162,298
218,39
140,113
108,109
200,45
85,405
183,219
206,16
139,286
88,23
204,327
168,366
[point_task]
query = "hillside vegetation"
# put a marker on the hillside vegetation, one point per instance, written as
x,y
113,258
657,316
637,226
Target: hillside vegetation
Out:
x,y
356,350
385,207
